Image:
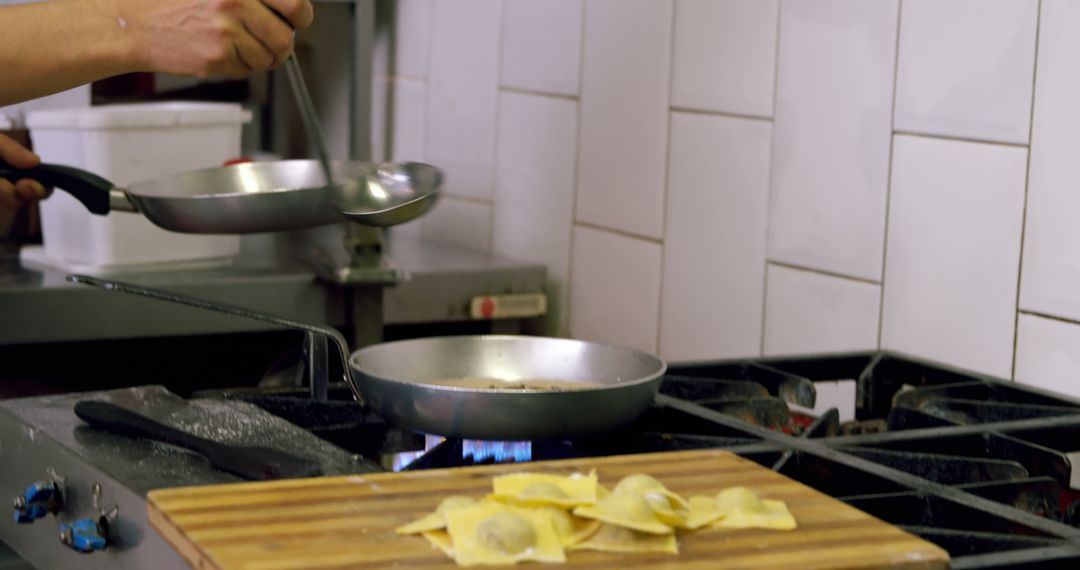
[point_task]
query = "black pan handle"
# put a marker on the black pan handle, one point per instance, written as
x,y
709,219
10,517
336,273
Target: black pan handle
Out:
x,y
87,187
120,420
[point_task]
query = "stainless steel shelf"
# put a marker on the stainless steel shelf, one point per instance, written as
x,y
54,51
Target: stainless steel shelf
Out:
x,y
37,304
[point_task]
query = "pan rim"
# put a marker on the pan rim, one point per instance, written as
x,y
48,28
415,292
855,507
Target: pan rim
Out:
x,y
661,366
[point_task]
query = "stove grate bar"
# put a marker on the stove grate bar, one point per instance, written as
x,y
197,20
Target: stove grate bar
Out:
x,y
785,385
1061,557
825,425
968,543
1037,495
945,469
815,447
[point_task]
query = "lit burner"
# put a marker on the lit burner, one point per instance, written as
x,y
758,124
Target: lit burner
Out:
x,y
399,461
496,451
472,452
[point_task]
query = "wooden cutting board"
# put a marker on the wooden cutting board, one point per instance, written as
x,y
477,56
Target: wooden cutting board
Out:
x,y
348,522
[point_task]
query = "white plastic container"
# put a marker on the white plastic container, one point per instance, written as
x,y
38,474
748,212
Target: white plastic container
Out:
x,y
125,144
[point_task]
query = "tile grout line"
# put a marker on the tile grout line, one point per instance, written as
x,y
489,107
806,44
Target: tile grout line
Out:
x,y
959,139
714,113
1027,186
667,180
618,232
536,92
822,272
564,328
769,190
1048,316
501,7
889,177
429,15
390,89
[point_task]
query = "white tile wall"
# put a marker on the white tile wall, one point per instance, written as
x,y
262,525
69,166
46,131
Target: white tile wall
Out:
x,y
831,138
412,28
1051,264
461,106
534,196
953,251
541,45
624,117
409,120
615,289
714,248
464,223
965,68
725,55
1048,353
809,312
598,135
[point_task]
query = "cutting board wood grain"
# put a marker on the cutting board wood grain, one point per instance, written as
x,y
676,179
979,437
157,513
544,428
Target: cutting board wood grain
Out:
x,y
348,522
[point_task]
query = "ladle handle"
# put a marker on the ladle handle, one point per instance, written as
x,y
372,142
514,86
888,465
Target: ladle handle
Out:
x,y
89,188
139,290
308,115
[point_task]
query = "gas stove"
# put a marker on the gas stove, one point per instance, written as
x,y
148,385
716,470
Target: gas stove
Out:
x,y
982,467
979,466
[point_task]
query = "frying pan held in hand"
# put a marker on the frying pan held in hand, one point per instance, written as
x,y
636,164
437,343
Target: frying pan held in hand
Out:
x,y
257,196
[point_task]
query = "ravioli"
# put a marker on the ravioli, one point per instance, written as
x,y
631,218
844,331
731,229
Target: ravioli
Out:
x,y
740,508
494,533
437,519
703,510
611,538
627,510
570,529
537,489
440,539
643,484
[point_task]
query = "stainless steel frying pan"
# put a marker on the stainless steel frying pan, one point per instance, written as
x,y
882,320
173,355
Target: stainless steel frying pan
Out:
x,y
398,379
257,196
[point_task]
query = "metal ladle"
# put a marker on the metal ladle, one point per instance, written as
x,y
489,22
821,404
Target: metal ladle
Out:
x,y
308,116
389,194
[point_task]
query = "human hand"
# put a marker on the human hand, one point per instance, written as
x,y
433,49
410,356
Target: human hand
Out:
x,y
18,193
216,37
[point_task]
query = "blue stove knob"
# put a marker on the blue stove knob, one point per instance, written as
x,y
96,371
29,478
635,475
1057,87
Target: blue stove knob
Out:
x,y
36,501
85,535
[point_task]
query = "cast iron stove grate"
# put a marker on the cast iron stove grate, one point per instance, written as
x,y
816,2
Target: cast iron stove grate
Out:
x,y
979,466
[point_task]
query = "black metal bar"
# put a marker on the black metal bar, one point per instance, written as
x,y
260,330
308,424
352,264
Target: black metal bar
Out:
x,y
945,469
825,425
973,411
904,418
1066,556
790,387
834,478
969,543
765,412
695,389
1001,427
815,447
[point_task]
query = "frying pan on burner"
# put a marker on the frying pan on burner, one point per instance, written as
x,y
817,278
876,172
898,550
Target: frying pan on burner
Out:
x,y
256,196
413,384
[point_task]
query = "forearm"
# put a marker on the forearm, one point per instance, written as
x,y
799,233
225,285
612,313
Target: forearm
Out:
x,y
46,47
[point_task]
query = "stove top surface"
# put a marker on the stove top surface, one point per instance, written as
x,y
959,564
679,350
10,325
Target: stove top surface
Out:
x,y
979,466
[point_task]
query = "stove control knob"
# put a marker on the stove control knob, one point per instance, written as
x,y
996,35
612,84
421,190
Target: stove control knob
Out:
x,y
85,535
36,501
